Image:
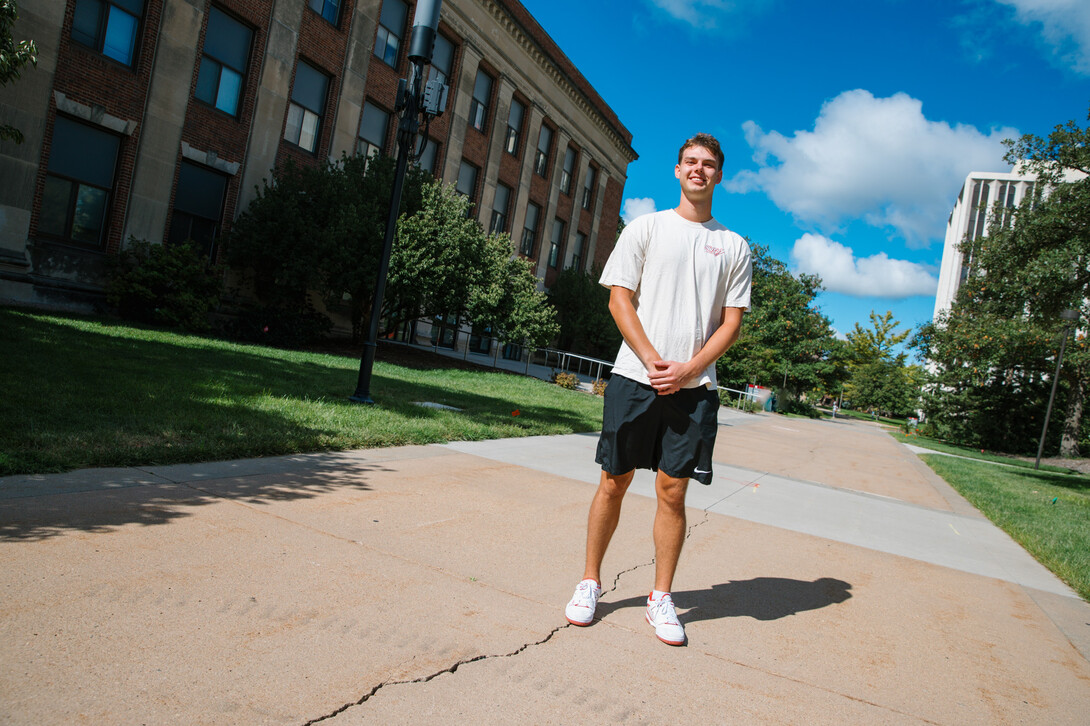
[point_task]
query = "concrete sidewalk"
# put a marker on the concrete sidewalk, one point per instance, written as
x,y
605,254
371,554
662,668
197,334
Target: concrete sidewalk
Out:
x,y
828,577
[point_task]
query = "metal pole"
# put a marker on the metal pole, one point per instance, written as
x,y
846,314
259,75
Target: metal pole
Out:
x,y
1051,398
421,46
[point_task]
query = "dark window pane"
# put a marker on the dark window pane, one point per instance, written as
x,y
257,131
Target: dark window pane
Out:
x,y
443,55
310,88
515,119
53,218
200,191
136,7
373,124
482,87
544,139
208,81
86,22
427,159
83,153
393,15
467,179
227,40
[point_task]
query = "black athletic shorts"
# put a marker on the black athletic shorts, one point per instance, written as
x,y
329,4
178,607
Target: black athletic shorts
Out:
x,y
674,434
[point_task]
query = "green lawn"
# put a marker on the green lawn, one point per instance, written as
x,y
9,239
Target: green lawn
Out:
x,y
85,392
936,445
1045,512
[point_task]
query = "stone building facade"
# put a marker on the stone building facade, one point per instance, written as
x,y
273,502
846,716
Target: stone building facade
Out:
x,y
158,119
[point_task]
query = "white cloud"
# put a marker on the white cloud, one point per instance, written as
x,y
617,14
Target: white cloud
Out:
x,y
637,207
707,14
875,276
875,158
1065,26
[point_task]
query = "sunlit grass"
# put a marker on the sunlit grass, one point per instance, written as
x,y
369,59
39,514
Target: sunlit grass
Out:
x,y
86,392
1045,512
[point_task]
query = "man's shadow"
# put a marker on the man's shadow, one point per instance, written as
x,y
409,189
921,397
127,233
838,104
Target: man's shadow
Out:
x,y
762,598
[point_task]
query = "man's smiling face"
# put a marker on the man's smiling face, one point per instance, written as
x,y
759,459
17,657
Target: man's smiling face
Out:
x,y
698,171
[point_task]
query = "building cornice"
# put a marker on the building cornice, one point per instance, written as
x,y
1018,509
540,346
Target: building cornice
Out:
x,y
562,72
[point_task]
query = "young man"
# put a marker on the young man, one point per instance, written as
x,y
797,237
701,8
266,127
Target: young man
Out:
x,y
679,282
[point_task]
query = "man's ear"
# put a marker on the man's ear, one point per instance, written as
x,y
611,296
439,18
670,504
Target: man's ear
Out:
x,y
677,171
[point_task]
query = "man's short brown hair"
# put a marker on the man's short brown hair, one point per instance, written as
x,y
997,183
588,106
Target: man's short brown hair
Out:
x,y
708,142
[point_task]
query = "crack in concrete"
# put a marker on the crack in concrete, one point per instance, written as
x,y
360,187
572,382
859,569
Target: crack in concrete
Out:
x,y
466,661
424,679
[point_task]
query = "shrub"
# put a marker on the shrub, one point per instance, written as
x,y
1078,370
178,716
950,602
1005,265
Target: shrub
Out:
x,y
599,387
171,285
565,379
279,327
801,408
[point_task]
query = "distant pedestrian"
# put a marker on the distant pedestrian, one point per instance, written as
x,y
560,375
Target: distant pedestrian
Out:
x,y
835,409
679,282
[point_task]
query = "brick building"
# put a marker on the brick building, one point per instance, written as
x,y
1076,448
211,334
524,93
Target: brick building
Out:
x,y
158,119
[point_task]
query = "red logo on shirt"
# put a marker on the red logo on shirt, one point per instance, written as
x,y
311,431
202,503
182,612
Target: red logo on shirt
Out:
x,y
714,250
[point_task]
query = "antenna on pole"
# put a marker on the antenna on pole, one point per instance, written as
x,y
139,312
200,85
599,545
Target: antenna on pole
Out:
x,y
413,101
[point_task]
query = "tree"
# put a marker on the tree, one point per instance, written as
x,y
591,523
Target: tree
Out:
x,y
879,379
877,343
996,348
320,230
785,341
582,307
13,58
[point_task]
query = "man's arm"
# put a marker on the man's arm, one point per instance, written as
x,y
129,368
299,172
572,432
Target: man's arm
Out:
x,y
671,376
628,322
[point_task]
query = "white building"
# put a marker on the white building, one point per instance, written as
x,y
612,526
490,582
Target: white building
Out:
x,y
981,197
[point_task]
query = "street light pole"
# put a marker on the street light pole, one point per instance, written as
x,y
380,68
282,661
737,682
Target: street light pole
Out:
x,y
1069,317
413,98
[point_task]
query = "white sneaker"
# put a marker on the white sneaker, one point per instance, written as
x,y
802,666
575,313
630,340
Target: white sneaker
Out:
x,y
580,610
661,615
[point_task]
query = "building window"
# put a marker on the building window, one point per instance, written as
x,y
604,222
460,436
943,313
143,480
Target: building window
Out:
x,y
568,172
499,209
328,9
223,65
578,251
308,96
467,182
78,183
198,207
555,242
442,60
480,340
514,127
478,110
588,188
108,26
529,229
541,163
391,28
978,210
373,125
428,156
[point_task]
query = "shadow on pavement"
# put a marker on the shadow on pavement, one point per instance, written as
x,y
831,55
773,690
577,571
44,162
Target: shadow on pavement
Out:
x,y
762,598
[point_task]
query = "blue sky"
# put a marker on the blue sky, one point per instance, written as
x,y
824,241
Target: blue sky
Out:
x,y
848,126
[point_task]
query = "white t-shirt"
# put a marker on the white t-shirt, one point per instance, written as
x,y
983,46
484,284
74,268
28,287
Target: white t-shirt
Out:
x,y
683,274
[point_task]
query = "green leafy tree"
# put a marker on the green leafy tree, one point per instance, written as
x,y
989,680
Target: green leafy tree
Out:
x,y
14,57
786,341
320,230
879,379
878,342
508,301
995,349
582,306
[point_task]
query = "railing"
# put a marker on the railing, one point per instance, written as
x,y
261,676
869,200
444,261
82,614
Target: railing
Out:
x,y
564,360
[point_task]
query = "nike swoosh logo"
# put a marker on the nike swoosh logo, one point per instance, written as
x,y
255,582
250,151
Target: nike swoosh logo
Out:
x,y
700,471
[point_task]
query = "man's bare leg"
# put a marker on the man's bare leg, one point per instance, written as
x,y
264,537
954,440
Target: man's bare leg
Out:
x,y
669,528
605,512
